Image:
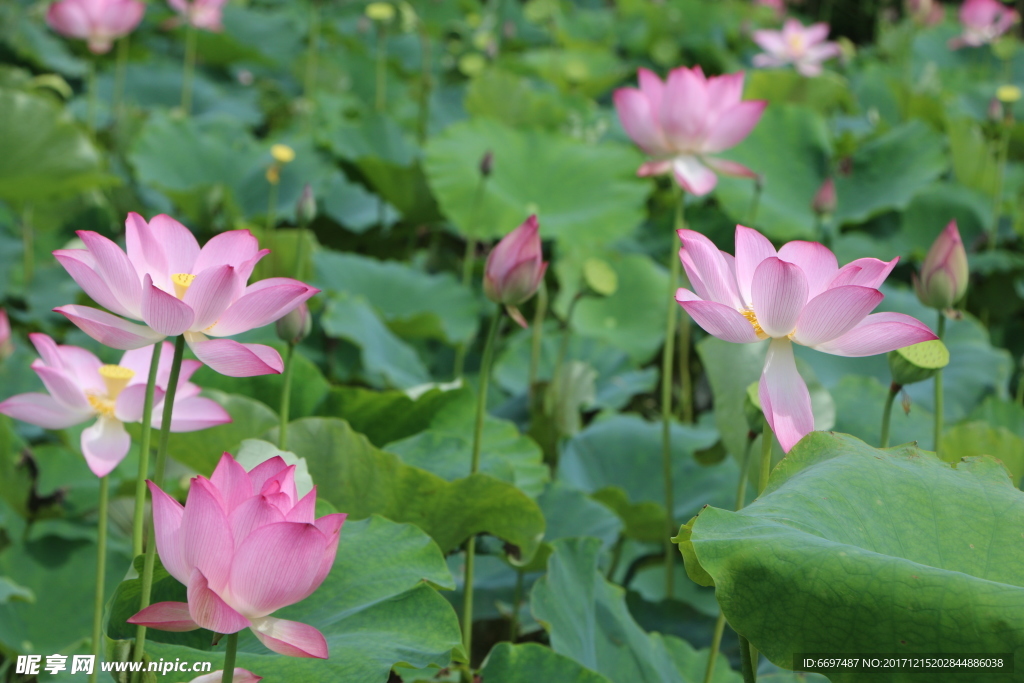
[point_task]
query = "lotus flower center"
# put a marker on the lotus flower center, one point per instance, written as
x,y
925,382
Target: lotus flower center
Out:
x,y
796,44
182,281
748,313
116,378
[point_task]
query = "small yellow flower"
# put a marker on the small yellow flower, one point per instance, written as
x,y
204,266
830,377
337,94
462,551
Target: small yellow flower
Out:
x,y
380,11
282,153
1008,93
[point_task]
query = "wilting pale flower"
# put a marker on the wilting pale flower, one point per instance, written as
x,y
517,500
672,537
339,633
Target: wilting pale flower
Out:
x,y
175,287
685,120
6,345
796,294
99,22
82,388
240,676
943,280
515,268
805,47
203,14
245,545
983,21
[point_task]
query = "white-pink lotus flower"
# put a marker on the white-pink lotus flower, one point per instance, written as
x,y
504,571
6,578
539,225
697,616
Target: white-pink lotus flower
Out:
x,y
82,388
203,14
983,21
245,545
687,119
805,47
796,294
240,676
99,22
168,282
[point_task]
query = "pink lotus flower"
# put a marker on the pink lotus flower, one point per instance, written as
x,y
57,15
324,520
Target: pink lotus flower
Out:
x,y
805,47
796,294
825,199
685,120
240,676
944,273
983,21
100,22
515,268
82,388
6,345
175,287
203,14
925,12
245,545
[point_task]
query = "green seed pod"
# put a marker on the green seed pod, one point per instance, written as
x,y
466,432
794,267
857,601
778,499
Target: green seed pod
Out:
x,y
918,362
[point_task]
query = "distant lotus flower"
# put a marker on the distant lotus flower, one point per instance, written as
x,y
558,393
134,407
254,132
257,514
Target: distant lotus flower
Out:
x,y
515,268
685,120
175,287
98,22
805,47
925,12
240,676
202,14
778,6
245,545
6,345
983,21
82,388
796,294
825,200
943,280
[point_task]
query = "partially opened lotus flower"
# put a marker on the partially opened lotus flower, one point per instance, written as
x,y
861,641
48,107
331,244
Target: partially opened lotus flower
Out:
x,y
202,14
515,268
99,22
805,47
685,121
983,21
168,282
944,273
796,294
245,545
82,388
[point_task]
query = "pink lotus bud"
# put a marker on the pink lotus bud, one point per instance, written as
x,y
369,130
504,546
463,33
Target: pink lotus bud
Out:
x,y
943,279
305,209
514,267
240,676
824,201
6,345
100,22
295,325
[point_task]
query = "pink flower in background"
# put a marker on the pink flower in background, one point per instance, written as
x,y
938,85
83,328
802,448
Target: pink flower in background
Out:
x,y
99,22
778,6
983,21
944,273
687,119
240,676
203,14
246,545
796,294
82,388
168,282
6,345
825,199
925,12
515,268
805,47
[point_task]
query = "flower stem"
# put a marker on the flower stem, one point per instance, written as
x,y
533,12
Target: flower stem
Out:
x,y
426,84
474,467
312,54
747,661
101,573
90,111
672,315
938,388
767,435
517,601
887,414
27,245
537,341
997,198
189,70
138,520
685,333
158,479
230,650
382,67
120,69
468,262
286,395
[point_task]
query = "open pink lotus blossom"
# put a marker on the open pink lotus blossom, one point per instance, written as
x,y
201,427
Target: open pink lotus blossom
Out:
x,y
515,268
168,282
687,119
805,47
203,14
99,22
240,676
6,345
796,294
983,21
82,388
245,545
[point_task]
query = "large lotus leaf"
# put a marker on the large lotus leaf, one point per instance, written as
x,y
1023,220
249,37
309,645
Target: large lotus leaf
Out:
x,y
974,162
514,101
530,663
43,153
790,149
376,609
583,195
855,549
932,209
824,93
886,172
355,207
1000,413
979,438
385,416
362,480
445,447
412,302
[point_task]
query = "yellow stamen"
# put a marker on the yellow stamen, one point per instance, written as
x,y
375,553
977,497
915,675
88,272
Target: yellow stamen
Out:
x,y
103,406
116,377
182,281
282,153
796,44
752,319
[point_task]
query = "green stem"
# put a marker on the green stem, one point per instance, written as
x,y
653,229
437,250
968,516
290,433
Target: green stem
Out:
x,y
91,97
1020,389
101,573
474,467
468,261
158,480
229,658
767,436
939,417
671,317
887,413
286,396
28,245
685,333
716,644
138,520
563,346
312,52
747,662
382,67
189,70
517,601
272,206
755,203
426,84
537,341
997,199
120,69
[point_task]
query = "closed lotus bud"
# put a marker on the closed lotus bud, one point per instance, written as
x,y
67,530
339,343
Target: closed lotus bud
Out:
x,y
943,278
305,209
824,201
6,345
295,325
515,267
